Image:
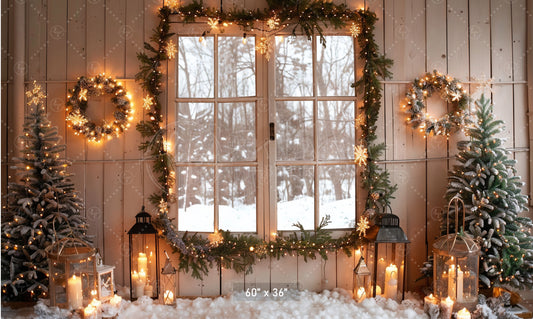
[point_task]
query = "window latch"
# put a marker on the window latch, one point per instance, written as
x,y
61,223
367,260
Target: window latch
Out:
x,y
272,132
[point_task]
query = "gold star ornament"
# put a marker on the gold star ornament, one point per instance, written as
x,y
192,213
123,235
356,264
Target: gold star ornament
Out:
x,y
83,95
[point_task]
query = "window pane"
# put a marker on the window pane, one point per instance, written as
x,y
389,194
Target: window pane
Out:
x,y
295,187
236,132
337,194
195,199
196,67
237,198
294,66
195,132
294,131
236,66
336,130
335,66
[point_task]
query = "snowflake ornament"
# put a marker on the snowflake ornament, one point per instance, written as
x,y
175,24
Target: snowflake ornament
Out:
x,y
171,50
264,47
83,95
360,155
355,30
213,24
35,95
76,119
363,225
148,101
273,23
360,120
215,238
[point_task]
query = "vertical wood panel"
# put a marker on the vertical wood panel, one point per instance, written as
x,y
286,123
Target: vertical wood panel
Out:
x,y
56,68
36,20
502,65
113,182
94,179
436,146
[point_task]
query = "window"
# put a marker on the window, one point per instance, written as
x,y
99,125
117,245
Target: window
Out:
x,y
225,99
315,133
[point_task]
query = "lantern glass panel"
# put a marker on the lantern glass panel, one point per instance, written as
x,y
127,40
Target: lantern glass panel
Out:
x,y
143,265
168,288
456,264
71,261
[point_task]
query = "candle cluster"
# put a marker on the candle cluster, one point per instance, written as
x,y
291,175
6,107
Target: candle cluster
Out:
x,y
431,307
139,277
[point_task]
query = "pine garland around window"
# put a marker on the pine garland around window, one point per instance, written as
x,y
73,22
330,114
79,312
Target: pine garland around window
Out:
x,y
306,16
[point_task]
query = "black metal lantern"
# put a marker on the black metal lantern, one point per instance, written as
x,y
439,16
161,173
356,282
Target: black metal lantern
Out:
x,y
144,258
386,254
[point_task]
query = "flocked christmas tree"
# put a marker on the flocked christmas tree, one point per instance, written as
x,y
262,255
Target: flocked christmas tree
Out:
x,y
41,208
486,180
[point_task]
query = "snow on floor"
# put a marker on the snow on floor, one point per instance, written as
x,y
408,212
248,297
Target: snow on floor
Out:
x,y
296,304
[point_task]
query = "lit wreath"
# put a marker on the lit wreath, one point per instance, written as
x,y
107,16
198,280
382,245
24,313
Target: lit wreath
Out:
x,y
451,91
76,108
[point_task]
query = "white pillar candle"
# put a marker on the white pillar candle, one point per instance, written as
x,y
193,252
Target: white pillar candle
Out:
x,y
391,281
446,306
148,290
168,297
74,292
451,282
431,306
378,290
360,294
142,263
459,285
463,314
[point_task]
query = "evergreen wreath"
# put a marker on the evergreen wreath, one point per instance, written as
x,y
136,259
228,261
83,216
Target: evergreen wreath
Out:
x,y
76,107
451,91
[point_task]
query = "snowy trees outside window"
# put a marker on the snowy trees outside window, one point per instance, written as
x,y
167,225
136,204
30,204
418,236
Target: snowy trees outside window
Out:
x,y
227,96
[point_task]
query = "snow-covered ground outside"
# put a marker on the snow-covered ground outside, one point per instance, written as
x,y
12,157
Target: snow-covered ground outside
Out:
x,y
243,217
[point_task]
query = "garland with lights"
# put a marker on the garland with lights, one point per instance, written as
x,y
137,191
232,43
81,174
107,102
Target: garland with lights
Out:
x,y
451,91
196,254
76,107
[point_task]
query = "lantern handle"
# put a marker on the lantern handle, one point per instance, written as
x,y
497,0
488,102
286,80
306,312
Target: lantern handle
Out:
x,y
455,200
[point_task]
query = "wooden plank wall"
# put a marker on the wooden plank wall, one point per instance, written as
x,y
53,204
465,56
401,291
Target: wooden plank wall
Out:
x,y
467,39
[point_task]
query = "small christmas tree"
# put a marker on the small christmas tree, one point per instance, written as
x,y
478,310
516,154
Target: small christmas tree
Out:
x,y
41,209
485,179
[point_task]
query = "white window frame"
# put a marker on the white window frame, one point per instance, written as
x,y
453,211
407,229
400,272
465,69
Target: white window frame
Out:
x,y
265,99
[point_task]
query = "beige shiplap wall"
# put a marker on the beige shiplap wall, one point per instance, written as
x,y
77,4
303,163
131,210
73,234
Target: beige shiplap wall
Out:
x,y
468,39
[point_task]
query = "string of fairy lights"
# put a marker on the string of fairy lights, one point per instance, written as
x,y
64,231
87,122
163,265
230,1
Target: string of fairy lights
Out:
x,y
197,254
